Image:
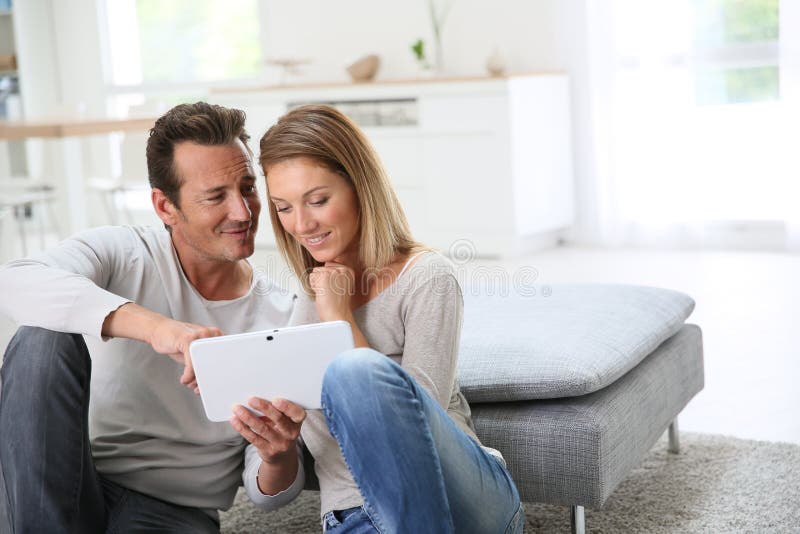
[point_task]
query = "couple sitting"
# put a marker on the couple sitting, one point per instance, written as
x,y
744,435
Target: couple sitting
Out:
x,y
394,448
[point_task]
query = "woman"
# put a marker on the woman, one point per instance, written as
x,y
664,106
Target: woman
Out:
x,y
394,446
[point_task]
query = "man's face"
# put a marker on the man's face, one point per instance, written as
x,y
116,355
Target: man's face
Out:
x,y
219,205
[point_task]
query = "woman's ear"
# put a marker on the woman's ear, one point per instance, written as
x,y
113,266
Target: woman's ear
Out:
x,y
165,209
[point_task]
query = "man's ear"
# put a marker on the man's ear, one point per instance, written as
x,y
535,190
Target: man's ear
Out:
x,y
165,209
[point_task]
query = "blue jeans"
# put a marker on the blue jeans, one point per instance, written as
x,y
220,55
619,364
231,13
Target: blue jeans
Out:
x,y
50,482
416,469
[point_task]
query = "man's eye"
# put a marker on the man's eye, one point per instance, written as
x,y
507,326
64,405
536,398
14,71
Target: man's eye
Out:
x,y
249,189
215,198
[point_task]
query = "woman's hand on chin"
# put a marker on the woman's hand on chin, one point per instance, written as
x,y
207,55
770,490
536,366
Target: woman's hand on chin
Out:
x,y
334,287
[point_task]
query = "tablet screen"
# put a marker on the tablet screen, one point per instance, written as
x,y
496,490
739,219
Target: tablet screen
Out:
x,y
284,362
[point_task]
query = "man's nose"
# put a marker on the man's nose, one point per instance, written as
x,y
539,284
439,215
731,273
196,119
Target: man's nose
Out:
x,y
239,208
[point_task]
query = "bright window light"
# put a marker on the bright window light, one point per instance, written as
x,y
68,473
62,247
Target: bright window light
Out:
x,y
699,130
153,42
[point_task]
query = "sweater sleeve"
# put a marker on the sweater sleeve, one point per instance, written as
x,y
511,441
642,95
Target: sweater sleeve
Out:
x,y
252,461
432,323
63,289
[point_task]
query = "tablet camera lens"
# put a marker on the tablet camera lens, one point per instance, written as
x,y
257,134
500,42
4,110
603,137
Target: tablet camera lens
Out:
x,y
269,338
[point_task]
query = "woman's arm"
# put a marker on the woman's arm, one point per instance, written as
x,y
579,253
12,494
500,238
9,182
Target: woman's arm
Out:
x,y
274,436
432,311
334,287
251,475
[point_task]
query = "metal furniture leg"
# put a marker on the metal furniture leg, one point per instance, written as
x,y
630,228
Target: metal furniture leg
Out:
x,y
578,520
577,513
19,216
674,442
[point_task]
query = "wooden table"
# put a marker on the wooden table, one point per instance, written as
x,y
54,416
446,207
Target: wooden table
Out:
x,y
10,130
66,132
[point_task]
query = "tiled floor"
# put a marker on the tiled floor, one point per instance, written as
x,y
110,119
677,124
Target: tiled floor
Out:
x,y
748,305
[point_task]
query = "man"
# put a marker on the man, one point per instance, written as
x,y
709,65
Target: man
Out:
x,y
139,296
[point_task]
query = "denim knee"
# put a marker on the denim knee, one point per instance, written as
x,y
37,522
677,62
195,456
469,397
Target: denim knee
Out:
x,y
34,350
353,371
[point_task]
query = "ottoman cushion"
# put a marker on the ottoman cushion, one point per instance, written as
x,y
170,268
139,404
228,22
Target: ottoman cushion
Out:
x,y
576,451
575,340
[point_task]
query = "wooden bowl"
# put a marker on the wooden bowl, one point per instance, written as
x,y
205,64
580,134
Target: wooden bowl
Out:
x,y
364,69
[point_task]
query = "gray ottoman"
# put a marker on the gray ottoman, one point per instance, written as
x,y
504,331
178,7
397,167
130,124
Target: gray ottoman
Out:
x,y
575,387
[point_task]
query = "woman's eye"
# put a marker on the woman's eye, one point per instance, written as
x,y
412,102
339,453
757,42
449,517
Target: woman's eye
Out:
x,y
319,202
282,209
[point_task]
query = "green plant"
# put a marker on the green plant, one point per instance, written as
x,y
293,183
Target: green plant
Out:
x,y
418,48
438,10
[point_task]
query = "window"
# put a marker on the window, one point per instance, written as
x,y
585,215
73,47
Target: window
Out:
x,y
182,42
736,45
698,111
161,53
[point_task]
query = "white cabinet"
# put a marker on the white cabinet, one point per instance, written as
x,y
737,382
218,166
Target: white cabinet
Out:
x,y
483,163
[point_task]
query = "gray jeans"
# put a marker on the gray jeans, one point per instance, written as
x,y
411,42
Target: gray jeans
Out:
x,y
48,482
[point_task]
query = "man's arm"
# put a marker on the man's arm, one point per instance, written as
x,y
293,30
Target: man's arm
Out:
x,y
35,292
165,335
63,290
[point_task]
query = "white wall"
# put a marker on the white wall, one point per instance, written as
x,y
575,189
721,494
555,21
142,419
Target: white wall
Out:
x,y
341,31
60,57
533,35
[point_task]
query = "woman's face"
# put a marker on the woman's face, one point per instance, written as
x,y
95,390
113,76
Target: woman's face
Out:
x,y
317,207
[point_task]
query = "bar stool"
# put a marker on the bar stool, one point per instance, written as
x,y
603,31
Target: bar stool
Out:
x,y
132,178
22,197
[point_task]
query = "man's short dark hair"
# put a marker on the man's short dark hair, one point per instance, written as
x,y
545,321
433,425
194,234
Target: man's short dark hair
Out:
x,y
201,123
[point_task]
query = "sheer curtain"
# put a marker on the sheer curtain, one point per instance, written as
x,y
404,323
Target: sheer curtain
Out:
x,y
695,121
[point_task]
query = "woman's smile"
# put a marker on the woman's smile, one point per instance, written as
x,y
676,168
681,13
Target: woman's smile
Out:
x,y
317,207
316,240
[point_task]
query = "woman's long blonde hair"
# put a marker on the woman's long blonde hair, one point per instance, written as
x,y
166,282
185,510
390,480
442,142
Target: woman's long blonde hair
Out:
x,y
326,135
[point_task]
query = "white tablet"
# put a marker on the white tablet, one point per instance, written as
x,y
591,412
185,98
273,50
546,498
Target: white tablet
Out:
x,y
286,363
